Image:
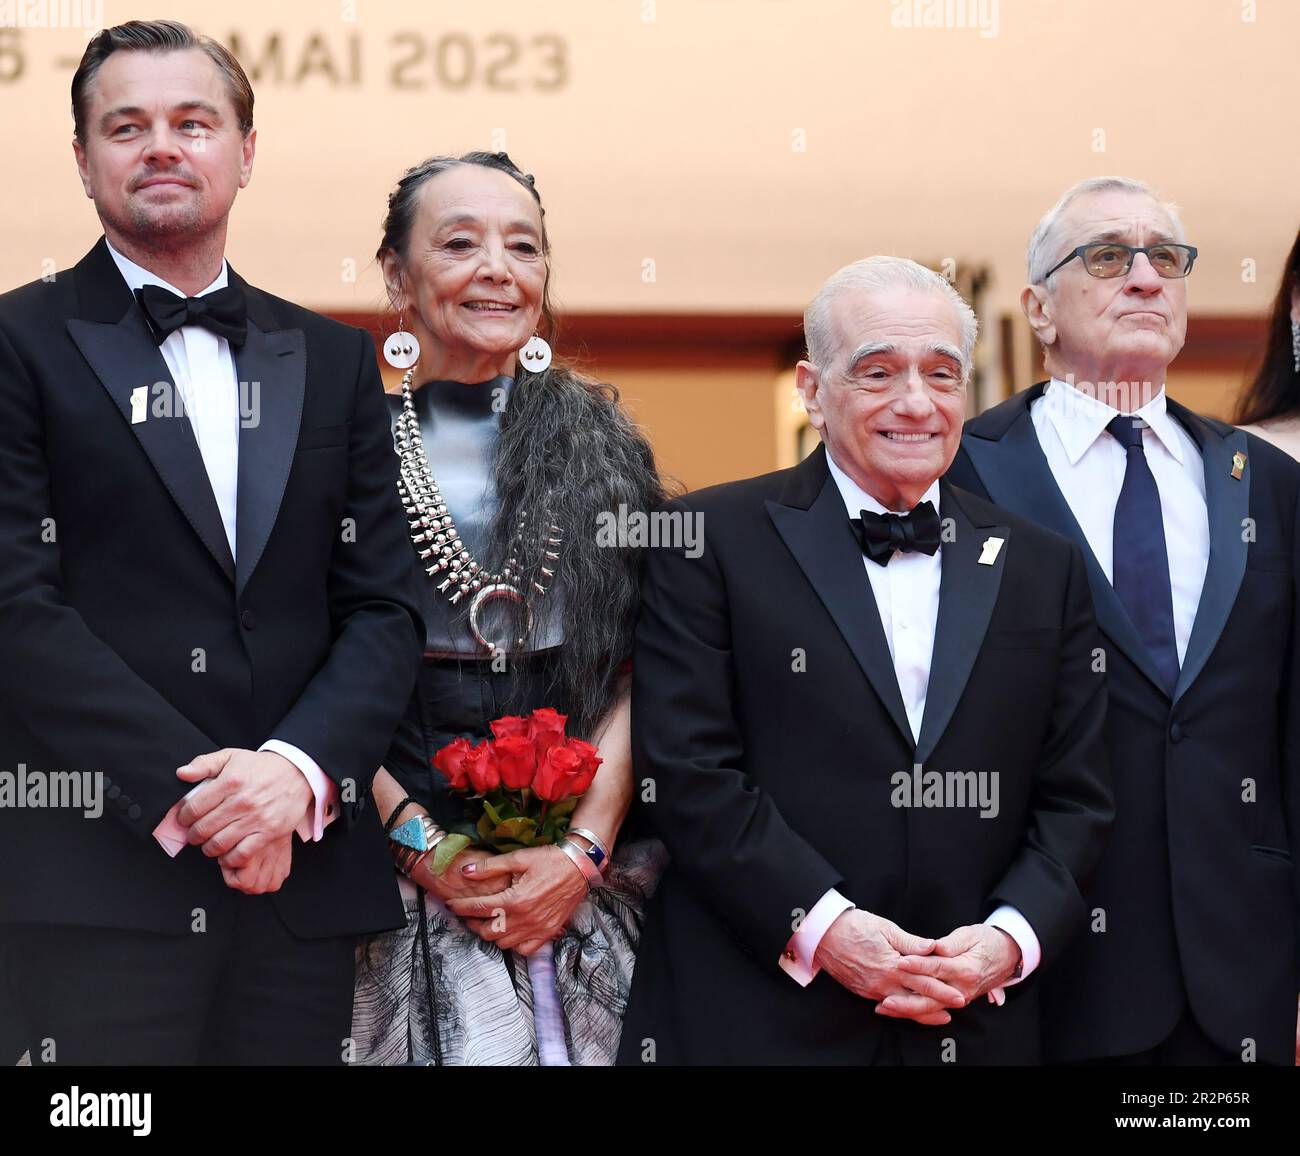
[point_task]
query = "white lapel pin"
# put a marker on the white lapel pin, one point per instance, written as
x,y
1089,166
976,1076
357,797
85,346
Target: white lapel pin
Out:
x,y
139,400
989,555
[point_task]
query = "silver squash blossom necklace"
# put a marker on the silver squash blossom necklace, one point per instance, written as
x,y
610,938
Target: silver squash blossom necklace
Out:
x,y
433,530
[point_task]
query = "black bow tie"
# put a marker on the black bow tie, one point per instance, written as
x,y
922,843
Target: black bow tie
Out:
x,y
882,534
223,311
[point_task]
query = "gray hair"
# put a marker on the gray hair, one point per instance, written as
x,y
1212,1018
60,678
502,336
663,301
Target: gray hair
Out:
x,y
874,274
1046,239
568,448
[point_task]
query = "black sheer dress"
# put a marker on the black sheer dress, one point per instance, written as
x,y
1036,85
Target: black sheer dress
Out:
x,y
434,992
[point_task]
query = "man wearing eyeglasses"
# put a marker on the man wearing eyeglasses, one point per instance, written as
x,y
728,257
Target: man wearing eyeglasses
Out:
x,y
1189,530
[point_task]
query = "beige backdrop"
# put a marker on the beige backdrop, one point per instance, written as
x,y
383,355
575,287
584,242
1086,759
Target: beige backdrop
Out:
x,y
673,135
716,155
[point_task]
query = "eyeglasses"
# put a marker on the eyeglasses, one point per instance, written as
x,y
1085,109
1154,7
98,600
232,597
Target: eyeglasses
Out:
x,y
1110,259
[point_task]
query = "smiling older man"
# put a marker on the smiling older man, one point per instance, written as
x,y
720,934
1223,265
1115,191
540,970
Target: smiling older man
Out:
x,y
871,723
1189,528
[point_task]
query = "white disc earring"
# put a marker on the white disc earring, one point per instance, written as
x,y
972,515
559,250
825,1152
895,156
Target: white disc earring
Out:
x,y
536,354
401,349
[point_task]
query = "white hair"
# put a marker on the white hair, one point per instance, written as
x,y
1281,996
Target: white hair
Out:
x,y
875,274
1046,240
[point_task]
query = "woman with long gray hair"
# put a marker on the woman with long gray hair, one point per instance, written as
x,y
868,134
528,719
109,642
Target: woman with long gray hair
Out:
x,y
521,455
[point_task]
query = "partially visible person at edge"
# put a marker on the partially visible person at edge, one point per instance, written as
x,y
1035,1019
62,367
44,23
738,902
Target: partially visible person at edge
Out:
x,y
466,261
1270,406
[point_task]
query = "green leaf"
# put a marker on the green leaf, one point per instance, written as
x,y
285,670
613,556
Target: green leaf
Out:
x,y
485,828
446,851
521,830
492,813
564,808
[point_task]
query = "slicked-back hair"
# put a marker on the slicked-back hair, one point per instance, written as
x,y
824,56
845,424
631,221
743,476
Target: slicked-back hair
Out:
x,y
158,36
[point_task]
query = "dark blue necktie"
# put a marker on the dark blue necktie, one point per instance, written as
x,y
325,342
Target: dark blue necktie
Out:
x,y
1140,568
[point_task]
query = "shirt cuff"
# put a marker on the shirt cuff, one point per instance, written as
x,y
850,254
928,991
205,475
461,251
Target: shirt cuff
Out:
x,y
797,959
1009,919
169,833
172,836
324,808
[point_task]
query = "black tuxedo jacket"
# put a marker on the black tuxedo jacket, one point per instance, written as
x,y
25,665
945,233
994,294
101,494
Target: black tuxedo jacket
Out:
x,y
768,721
130,641
1197,888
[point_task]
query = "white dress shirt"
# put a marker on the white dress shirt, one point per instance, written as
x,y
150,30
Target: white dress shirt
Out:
x,y
907,598
207,382
1088,464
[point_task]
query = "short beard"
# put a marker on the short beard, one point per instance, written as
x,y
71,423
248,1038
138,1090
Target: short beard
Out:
x,y
178,231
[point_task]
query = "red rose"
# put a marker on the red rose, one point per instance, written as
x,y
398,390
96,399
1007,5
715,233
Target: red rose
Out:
x,y
510,726
588,765
567,769
451,762
516,760
546,728
554,773
481,766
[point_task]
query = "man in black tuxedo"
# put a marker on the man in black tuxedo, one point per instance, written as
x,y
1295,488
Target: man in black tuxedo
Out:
x,y
1189,528
206,589
869,729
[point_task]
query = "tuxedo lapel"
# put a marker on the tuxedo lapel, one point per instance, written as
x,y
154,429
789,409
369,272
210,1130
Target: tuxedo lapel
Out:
x,y
813,523
117,345
272,371
1004,450
1227,501
115,340
968,591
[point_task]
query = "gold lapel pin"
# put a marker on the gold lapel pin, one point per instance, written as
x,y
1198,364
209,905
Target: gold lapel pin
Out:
x,y
1238,465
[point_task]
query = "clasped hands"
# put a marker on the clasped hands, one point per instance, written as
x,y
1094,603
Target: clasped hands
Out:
x,y
909,976
245,814
518,900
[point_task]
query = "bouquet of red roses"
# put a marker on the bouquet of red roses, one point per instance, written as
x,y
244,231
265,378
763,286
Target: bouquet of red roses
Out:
x,y
523,783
